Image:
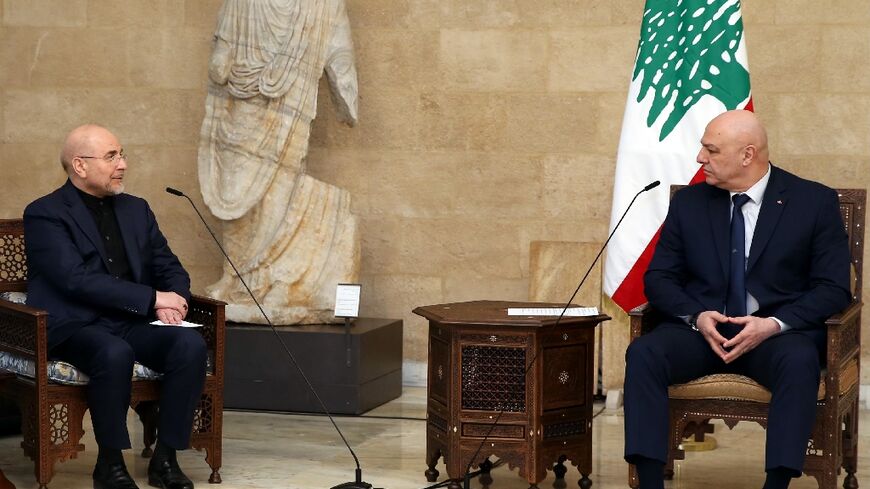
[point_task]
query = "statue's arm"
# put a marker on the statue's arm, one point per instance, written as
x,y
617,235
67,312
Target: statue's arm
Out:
x,y
341,69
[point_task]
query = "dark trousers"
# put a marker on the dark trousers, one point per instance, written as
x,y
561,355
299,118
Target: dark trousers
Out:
x,y
106,350
787,364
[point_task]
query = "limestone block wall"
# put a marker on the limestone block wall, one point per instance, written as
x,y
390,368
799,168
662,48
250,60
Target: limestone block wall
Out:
x,y
136,67
485,125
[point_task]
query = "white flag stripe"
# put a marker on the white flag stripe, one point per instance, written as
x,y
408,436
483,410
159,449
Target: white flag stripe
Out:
x,y
642,158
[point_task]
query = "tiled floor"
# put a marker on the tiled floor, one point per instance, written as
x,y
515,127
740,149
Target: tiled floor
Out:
x,y
298,451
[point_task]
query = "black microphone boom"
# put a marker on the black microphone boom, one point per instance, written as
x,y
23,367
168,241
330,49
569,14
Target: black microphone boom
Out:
x,y
358,483
651,186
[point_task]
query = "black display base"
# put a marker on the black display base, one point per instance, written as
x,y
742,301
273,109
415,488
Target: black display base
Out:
x,y
260,376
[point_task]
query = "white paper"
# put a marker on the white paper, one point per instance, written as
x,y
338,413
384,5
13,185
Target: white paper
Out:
x,y
184,324
347,300
552,311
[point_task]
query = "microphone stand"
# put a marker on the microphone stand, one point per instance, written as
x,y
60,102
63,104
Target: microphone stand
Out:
x,y
467,477
358,482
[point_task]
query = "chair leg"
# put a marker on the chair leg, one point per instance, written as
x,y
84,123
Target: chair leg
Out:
x,y
850,447
213,458
37,439
149,415
633,481
677,426
208,432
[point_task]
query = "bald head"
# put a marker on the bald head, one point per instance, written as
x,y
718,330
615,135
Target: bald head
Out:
x,y
734,151
80,141
743,128
94,161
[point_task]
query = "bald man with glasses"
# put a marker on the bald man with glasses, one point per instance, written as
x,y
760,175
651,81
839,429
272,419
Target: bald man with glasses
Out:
x,y
98,263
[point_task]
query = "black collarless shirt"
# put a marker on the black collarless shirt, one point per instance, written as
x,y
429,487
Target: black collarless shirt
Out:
x,y
103,211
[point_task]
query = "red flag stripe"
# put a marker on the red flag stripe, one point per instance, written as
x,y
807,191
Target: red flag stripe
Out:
x,y
630,292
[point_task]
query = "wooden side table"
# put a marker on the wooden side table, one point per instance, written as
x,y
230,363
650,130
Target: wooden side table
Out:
x,y
4,482
478,356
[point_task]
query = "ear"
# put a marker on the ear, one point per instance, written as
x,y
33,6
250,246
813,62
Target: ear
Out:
x,y
749,154
78,167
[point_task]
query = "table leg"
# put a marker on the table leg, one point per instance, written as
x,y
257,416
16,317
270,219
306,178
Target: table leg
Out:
x,y
485,476
559,470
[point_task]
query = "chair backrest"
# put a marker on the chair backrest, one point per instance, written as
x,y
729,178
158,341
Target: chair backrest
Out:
x,y
852,204
13,263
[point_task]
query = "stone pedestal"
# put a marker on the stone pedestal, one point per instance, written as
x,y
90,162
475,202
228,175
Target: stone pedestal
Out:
x,y
260,375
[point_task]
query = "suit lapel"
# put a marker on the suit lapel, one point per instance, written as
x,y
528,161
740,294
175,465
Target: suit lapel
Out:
x,y
720,223
83,219
125,216
772,205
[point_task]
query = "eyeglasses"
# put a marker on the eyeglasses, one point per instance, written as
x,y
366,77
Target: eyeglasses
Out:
x,y
115,158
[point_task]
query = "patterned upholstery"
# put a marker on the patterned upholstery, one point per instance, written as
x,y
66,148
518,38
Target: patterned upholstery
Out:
x,y
58,372
62,372
740,388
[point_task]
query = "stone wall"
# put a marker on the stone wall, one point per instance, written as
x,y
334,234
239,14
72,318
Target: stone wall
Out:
x,y
485,124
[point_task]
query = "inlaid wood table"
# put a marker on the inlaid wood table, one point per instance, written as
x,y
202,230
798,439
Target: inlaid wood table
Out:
x,y
480,364
4,482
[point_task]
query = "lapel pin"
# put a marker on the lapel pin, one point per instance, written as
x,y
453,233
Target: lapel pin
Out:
x,y
779,202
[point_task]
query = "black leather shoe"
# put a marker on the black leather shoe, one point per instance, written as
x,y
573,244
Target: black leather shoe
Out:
x,y
166,474
113,476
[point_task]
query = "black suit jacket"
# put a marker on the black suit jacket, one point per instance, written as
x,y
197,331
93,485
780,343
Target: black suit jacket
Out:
x,y
67,273
798,266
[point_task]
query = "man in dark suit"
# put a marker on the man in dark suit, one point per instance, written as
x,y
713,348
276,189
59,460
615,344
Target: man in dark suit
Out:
x,y
98,263
748,267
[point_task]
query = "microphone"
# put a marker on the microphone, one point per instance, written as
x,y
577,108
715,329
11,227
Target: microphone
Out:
x,y
467,476
358,483
648,187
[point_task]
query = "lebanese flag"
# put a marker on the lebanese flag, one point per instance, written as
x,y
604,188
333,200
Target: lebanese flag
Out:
x,y
691,65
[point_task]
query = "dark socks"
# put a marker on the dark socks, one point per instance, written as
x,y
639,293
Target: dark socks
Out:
x,y
163,452
650,472
778,478
109,456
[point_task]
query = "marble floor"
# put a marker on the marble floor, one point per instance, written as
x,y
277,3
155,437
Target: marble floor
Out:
x,y
303,452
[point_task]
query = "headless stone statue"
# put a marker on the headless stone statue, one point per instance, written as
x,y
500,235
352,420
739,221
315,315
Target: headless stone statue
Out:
x,y
292,237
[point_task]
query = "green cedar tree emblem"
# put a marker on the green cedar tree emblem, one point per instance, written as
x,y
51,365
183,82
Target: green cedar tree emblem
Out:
x,y
687,50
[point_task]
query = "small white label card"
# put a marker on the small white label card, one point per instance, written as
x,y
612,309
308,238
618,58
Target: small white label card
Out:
x,y
347,300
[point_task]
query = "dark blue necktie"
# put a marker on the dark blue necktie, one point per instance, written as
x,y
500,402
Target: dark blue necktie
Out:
x,y
735,303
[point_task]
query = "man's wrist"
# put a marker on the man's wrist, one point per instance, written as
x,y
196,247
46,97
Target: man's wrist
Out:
x,y
693,321
780,326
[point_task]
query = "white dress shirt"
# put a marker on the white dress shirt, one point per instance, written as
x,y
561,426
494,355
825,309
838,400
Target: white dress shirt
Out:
x,y
750,216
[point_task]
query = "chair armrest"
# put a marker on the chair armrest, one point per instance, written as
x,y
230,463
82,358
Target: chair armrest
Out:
x,y
210,313
639,317
23,331
844,317
22,328
640,310
844,336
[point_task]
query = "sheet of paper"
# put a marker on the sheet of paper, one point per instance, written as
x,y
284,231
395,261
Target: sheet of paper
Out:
x,y
184,324
552,311
347,300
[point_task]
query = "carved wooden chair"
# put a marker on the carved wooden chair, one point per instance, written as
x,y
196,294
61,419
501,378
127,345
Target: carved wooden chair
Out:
x,y
52,413
733,398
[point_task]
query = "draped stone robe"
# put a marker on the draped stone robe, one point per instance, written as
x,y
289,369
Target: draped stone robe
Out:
x,y
292,237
